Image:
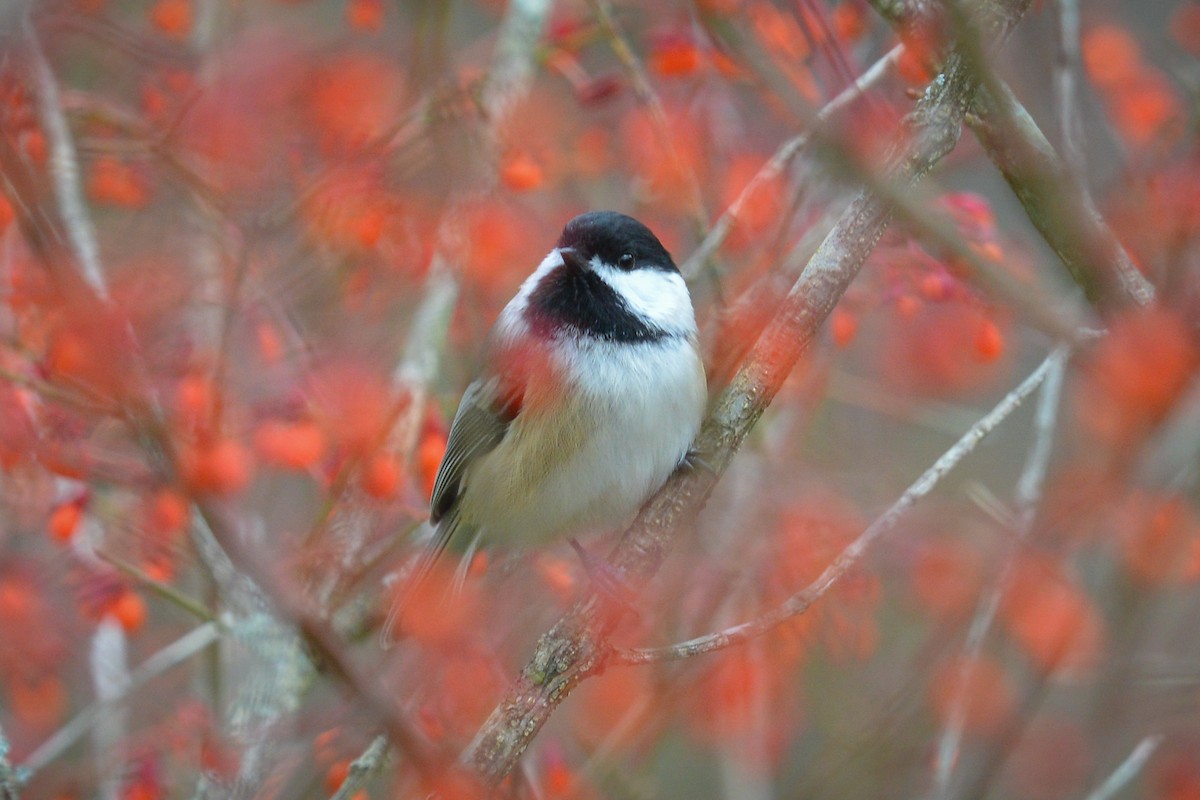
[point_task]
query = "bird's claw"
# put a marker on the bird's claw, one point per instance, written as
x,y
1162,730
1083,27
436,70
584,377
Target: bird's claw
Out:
x,y
605,579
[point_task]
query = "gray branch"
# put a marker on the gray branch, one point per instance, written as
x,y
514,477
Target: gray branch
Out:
x,y
64,167
922,486
578,644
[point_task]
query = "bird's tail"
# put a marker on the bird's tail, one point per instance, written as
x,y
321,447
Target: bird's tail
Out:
x,y
414,583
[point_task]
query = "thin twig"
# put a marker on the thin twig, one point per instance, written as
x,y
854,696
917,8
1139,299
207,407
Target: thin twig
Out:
x,y
1057,204
783,156
110,678
1028,492
1066,71
8,778
361,768
170,656
649,98
578,644
1128,769
799,602
64,168
163,590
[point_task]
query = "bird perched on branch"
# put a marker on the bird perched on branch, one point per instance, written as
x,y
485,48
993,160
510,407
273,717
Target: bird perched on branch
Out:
x,y
591,392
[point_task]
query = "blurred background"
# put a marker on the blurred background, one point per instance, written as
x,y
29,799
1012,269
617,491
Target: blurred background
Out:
x,y
249,253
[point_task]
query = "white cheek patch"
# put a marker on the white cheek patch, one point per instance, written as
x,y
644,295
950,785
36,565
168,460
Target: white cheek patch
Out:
x,y
511,322
659,297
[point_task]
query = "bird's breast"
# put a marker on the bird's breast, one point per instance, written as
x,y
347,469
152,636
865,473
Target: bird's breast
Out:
x,y
588,458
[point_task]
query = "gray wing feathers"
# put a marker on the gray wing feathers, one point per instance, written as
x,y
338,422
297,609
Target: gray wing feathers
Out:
x,y
476,430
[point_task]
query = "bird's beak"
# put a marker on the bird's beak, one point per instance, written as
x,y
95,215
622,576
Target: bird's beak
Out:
x,y
572,259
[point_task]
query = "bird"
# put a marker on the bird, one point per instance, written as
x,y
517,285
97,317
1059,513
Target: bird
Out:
x,y
591,390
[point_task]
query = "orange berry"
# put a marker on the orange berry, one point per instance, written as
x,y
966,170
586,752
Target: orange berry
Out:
x,y
947,577
39,701
521,173
336,775
429,458
908,306
911,65
194,397
989,341
934,287
381,476
114,182
270,345
168,511
365,15
675,57
172,17
844,326
130,610
220,467
1110,54
64,520
34,144
849,22
1185,27
296,445
6,213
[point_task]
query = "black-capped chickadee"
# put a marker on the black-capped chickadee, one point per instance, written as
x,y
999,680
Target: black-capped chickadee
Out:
x,y
592,390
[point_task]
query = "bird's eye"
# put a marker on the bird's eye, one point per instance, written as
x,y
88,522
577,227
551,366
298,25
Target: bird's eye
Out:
x,y
626,261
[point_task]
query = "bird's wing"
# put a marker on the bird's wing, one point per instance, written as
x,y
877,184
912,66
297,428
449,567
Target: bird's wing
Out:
x,y
487,409
479,426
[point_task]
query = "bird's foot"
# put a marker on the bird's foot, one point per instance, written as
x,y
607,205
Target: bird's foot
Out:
x,y
693,461
606,581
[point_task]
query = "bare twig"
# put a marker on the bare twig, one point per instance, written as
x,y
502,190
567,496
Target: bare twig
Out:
x,y
361,768
1028,492
508,80
163,590
329,649
110,678
649,98
1066,71
778,162
170,656
1055,200
1128,769
799,602
8,778
64,167
1066,218
577,646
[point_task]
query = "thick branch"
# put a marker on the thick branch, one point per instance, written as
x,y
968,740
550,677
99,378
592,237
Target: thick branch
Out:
x,y
577,646
1056,204
922,486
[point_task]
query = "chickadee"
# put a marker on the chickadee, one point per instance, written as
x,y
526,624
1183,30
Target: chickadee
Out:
x,y
592,390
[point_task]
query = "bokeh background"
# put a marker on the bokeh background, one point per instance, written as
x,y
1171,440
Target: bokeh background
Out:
x,y
249,253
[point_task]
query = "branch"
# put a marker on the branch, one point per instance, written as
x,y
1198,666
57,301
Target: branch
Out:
x,y
64,167
362,767
1128,769
782,157
1028,492
578,644
922,486
1056,204
110,678
649,98
327,647
1066,70
508,80
8,779
170,656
